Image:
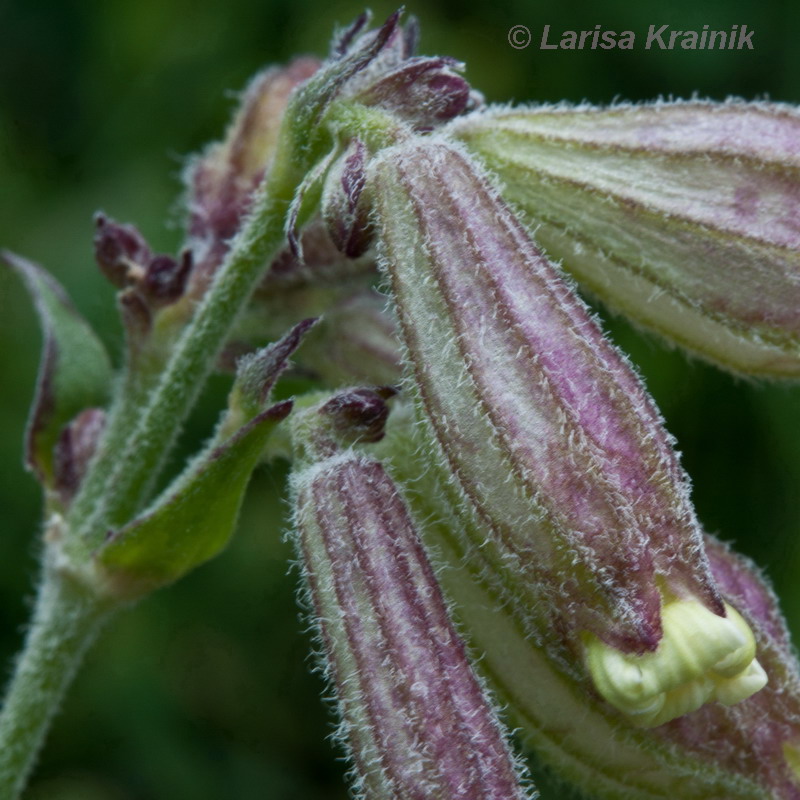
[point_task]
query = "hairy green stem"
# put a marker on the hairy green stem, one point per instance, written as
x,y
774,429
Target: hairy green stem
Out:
x,y
141,430
145,419
66,621
144,423
122,475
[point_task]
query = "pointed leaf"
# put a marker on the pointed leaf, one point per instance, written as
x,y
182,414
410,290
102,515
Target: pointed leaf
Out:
x,y
192,524
256,373
74,372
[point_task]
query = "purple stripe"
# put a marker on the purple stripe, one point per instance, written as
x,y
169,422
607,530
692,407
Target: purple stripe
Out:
x,y
429,691
360,645
413,578
574,423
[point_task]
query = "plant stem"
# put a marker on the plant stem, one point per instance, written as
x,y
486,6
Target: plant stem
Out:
x,y
66,621
143,424
122,475
142,428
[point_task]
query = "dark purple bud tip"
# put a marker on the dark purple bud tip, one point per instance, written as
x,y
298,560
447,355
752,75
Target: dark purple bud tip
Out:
x,y
360,53
341,44
165,279
359,415
279,411
74,449
344,211
424,91
386,34
121,251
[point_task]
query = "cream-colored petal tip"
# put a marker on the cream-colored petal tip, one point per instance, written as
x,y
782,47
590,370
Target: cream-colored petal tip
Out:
x,y
702,657
746,683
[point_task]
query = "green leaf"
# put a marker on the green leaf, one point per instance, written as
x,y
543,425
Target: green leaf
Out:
x,y
74,374
192,524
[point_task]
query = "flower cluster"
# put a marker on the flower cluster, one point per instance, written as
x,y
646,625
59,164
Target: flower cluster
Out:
x,y
488,508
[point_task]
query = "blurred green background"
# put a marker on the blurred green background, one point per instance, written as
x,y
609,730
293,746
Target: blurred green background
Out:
x,y
204,690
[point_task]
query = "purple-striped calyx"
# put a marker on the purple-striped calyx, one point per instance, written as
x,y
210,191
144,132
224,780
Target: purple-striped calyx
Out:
x,y
415,719
685,216
553,442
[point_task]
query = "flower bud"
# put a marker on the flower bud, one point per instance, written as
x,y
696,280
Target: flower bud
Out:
x,y
148,281
551,438
358,415
419,90
423,91
121,251
221,182
683,216
415,720
165,279
745,751
345,217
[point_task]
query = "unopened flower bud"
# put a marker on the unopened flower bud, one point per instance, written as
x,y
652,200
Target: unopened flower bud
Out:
x,y
419,90
358,415
422,91
683,216
165,278
547,431
222,181
121,251
148,281
347,219
416,721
